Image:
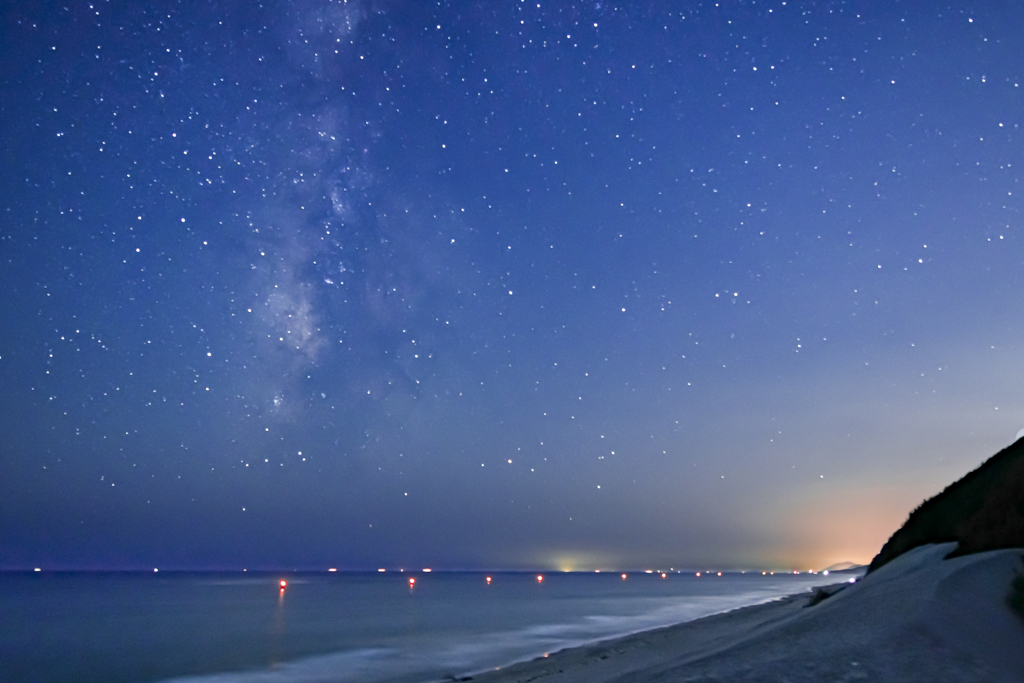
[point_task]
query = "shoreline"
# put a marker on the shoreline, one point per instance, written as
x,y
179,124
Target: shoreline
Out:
x,y
920,618
544,665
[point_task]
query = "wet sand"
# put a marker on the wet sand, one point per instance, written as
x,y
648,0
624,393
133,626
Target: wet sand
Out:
x,y
919,618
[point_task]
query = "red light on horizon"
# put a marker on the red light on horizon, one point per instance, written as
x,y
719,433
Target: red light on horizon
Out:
x,y
623,577
284,584
540,578
412,582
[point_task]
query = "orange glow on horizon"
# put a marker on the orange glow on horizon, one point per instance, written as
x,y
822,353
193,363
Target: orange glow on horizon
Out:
x,y
862,516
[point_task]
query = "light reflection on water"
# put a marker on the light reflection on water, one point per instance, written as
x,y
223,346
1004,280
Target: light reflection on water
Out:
x,y
338,626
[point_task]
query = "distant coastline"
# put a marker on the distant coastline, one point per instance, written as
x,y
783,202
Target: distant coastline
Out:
x,y
920,618
942,600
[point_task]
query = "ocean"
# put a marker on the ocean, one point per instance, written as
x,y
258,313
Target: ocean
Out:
x,y
337,627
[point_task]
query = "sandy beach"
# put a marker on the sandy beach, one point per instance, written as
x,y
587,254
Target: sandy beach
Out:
x,y
919,618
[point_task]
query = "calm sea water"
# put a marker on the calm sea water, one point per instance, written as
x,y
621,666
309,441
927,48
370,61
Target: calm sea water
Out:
x,y
335,627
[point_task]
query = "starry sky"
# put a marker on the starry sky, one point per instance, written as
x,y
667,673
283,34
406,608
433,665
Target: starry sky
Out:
x,y
508,284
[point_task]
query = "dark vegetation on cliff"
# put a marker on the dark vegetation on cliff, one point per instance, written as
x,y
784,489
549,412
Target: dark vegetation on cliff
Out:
x,y
982,511
1016,597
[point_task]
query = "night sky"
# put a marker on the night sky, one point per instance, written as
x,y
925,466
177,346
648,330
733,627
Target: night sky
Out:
x,y
507,284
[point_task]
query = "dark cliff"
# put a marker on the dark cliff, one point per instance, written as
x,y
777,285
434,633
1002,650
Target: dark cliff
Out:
x,y
984,510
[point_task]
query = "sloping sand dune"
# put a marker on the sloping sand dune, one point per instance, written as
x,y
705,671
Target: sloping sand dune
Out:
x,y
918,618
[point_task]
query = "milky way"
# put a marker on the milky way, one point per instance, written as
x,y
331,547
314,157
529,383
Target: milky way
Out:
x,y
514,284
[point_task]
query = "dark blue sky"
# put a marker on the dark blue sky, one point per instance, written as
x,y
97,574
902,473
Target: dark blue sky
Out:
x,y
501,284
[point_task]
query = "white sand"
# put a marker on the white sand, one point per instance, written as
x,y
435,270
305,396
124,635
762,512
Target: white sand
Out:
x,y
919,618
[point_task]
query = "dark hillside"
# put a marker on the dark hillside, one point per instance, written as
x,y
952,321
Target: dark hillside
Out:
x,y
982,511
